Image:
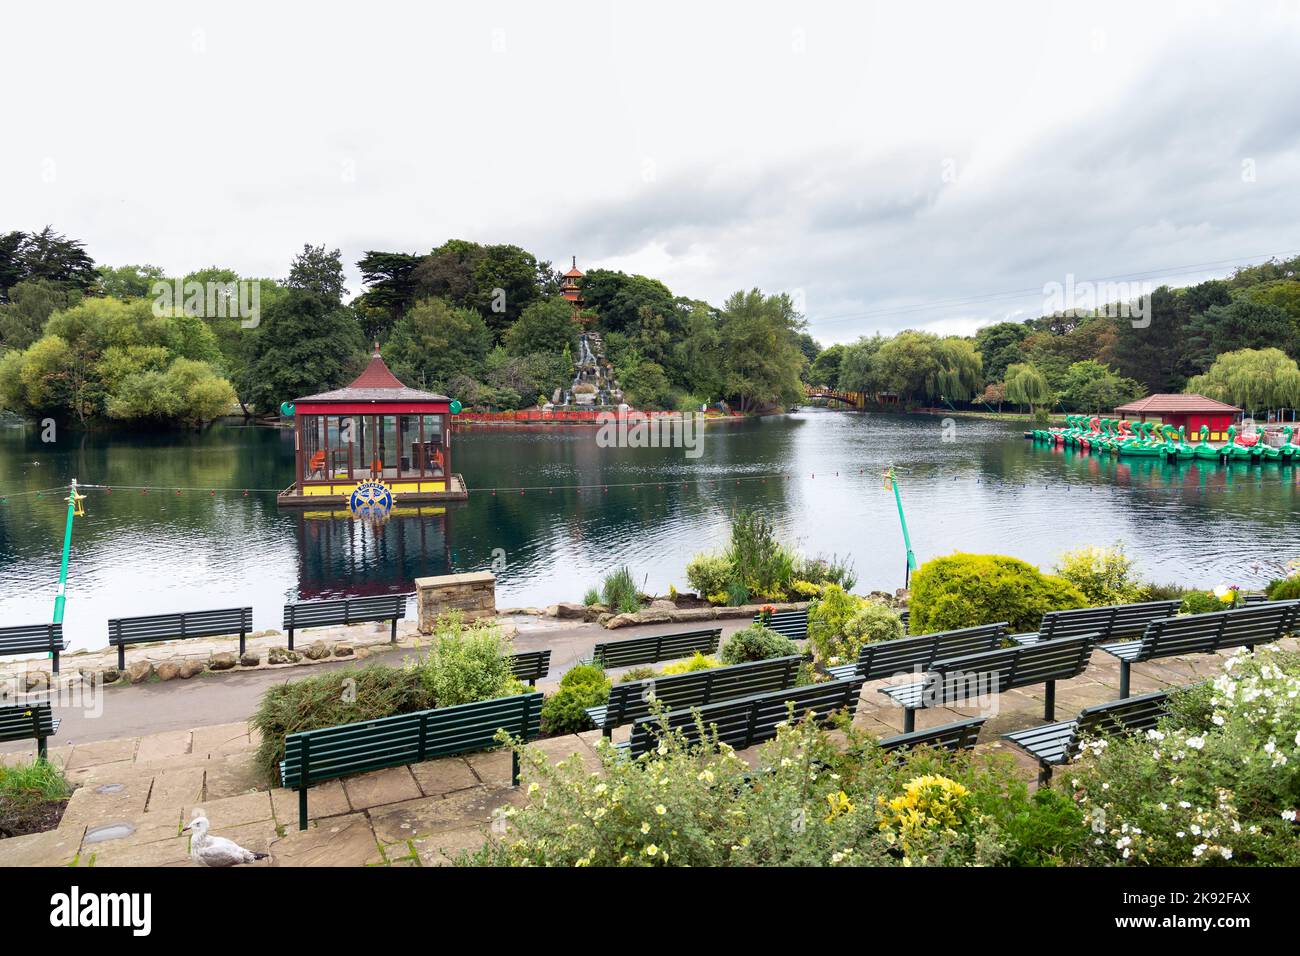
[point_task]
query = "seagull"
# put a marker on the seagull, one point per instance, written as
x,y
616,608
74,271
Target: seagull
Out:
x,y
216,851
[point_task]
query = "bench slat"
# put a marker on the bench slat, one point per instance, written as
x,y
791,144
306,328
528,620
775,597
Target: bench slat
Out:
x,y
656,647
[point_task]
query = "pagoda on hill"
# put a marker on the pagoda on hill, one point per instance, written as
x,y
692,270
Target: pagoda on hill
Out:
x,y
571,290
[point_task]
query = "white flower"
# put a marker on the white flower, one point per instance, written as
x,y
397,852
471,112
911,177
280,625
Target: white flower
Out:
x,y
1288,816
1199,849
1196,743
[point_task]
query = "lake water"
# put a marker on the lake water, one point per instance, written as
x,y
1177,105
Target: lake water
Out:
x,y
817,474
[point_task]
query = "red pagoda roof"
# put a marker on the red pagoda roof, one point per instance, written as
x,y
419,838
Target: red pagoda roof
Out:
x,y
1169,404
376,384
575,272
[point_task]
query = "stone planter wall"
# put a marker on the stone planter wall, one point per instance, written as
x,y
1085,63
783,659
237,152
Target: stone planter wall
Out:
x,y
474,595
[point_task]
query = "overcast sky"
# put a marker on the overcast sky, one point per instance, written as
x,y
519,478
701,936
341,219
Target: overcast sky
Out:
x,y
894,165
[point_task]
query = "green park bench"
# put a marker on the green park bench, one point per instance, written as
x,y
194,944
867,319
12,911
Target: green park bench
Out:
x,y
749,720
1113,623
28,722
33,639
959,735
631,701
354,610
531,666
170,627
331,752
655,648
1055,744
886,658
994,672
1205,634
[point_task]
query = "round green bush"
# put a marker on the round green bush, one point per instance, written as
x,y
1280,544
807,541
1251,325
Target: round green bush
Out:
x,y
1288,589
867,625
709,574
1201,602
564,711
756,643
966,590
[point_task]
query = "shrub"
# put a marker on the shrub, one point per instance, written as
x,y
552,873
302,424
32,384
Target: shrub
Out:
x,y
813,804
758,560
645,672
830,613
1288,589
1164,592
709,574
1104,575
696,662
737,593
1220,791
327,700
466,664
872,624
756,643
1200,602
591,597
805,589
619,592
581,687
832,570
965,590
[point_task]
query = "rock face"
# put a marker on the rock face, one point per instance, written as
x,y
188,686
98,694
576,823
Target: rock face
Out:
x,y
474,595
139,671
343,650
250,659
222,661
35,680
169,670
316,651
110,674
191,669
662,604
282,655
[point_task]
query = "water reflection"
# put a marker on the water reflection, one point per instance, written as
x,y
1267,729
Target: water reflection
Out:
x,y
816,474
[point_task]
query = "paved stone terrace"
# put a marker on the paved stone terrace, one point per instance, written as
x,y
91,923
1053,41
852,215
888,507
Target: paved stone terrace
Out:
x,y
420,815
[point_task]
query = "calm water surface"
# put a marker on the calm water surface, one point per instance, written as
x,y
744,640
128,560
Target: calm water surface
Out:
x,y
817,474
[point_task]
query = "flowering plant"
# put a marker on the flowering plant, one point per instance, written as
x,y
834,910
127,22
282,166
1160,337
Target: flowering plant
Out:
x,y
1209,785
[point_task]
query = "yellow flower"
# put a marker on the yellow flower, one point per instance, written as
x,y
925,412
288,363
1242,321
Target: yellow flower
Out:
x,y
651,850
645,828
839,804
533,788
661,809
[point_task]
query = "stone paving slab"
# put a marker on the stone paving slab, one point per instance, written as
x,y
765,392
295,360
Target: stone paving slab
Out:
x,y
391,785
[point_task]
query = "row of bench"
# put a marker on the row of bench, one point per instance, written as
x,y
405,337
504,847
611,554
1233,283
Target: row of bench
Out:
x,y
124,631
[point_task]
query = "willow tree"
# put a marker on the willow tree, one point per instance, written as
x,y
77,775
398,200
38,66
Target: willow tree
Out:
x,y
1251,378
1025,385
960,374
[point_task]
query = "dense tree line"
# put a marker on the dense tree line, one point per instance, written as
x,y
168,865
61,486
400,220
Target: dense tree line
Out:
x,y
1235,339
483,323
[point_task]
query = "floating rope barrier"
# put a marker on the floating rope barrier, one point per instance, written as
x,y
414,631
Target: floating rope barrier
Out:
x,y
918,481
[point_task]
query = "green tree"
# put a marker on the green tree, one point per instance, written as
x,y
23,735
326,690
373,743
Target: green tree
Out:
x,y
320,271
646,386
908,364
999,346
304,345
55,258
960,375
619,298
434,342
505,283
1025,385
1243,324
129,282
1251,378
760,349
391,287
858,369
544,326
825,369
30,305
1090,386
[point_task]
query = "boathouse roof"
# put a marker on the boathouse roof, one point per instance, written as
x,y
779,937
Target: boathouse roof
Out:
x,y
1178,404
376,384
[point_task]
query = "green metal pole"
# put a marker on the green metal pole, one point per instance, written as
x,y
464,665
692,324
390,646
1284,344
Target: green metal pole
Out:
x,y
61,597
907,539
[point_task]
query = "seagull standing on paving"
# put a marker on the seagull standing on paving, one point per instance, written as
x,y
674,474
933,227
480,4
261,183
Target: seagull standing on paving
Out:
x,y
216,851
